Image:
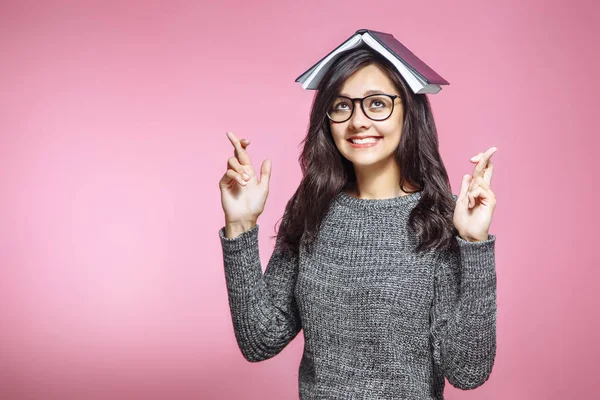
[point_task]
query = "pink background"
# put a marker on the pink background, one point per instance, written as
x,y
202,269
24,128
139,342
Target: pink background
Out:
x,y
112,142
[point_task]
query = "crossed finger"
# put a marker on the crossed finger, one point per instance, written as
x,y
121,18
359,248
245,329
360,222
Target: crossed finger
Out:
x,y
482,173
484,160
239,152
487,176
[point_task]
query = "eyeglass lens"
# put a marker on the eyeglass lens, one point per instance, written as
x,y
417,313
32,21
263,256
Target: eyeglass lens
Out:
x,y
376,107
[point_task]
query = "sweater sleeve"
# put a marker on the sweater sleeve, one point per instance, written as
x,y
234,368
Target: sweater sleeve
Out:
x,y
263,307
463,314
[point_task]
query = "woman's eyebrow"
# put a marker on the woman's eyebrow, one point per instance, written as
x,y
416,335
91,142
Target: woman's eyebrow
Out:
x,y
368,92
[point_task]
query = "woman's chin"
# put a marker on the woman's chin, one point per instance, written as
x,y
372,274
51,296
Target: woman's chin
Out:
x,y
362,162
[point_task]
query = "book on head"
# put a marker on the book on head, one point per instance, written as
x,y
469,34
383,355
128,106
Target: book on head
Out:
x,y
419,76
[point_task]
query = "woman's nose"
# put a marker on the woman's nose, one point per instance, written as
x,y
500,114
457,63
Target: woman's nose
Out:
x,y
359,119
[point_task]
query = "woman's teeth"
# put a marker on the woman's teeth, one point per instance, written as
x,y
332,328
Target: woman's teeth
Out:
x,y
366,140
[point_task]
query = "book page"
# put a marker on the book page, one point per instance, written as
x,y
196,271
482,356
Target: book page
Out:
x,y
315,77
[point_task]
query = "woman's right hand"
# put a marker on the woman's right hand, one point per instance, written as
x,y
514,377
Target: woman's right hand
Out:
x,y
243,200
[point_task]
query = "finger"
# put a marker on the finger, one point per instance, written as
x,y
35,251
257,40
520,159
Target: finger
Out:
x,y
464,188
473,195
235,165
235,176
265,173
485,196
240,153
472,189
479,181
483,160
474,183
487,177
245,142
230,176
476,158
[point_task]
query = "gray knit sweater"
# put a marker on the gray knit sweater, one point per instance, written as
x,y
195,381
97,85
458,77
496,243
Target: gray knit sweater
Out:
x,y
380,321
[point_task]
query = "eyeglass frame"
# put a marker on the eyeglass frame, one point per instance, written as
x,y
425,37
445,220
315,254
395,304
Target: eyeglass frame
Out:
x,y
362,106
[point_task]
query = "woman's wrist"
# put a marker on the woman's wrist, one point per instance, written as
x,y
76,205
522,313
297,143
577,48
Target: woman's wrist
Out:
x,y
474,239
235,228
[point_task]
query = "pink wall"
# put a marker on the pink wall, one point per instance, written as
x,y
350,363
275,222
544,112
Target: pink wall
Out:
x,y
112,141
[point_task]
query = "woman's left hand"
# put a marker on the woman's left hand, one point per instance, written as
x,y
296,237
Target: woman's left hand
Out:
x,y
476,201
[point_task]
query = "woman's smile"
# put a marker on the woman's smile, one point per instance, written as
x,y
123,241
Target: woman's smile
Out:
x,y
364,143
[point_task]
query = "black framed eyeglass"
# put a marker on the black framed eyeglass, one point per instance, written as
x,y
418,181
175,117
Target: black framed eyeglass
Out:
x,y
377,107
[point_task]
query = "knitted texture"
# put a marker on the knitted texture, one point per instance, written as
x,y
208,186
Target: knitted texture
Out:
x,y
380,320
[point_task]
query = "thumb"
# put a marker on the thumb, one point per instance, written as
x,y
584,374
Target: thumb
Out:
x,y
265,173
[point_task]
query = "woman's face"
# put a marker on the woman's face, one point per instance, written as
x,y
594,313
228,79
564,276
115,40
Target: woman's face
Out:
x,y
360,84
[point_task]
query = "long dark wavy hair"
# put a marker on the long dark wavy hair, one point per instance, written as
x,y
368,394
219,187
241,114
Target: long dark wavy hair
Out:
x,y
326,172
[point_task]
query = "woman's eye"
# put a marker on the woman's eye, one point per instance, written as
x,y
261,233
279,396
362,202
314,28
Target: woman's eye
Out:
x,y
377,101
340,106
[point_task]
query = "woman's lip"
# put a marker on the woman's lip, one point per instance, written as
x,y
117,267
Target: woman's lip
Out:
x,y
363,145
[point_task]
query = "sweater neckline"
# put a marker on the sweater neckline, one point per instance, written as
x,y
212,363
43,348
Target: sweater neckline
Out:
x,y
373,204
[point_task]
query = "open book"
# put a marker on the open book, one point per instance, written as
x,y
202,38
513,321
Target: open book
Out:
x,y
420,77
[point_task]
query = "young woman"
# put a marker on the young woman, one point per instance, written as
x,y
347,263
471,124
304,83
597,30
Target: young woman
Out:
x,y
391,277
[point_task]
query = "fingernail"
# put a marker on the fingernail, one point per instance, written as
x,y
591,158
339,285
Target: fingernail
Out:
x,y
246,176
